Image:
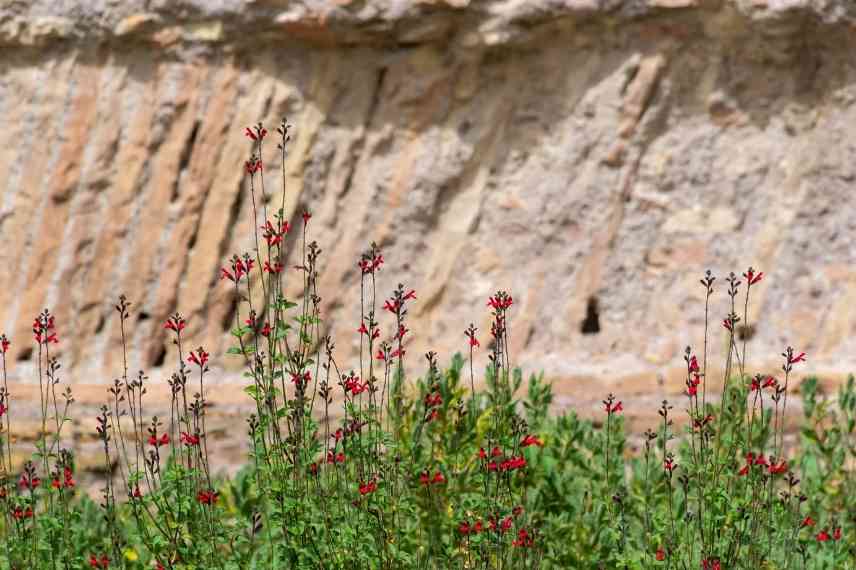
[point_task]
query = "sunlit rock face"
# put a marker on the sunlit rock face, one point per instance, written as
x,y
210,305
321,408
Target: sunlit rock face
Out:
x,y
592,157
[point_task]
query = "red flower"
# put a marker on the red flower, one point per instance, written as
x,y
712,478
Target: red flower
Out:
x,y
424,478
506,523
301,380
402,330
175,323
433,399
96,562
669,464
492,466
438,479
200,357
381,355
276,269
256,133
482,453
253,165
729,326
693,365
531,440
751,277
4,344
266,330
189,439
496,452
410,295
778,469
478,527
155,442
137,494
29,482
513,463
611,408
808,521
43,329
770,382
524,540
500,301
822,536
335,458
371,264
799,358
661,554
250,134
464,528
366,488
432,415
208,497
710,564
19,513
306,215
836,534
392,305
3,409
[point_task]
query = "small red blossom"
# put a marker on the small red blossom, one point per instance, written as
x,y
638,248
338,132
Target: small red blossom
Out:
x,y
266,330
438,478
155,442
531,440
301,380
836,534
44,330
524,539
660,555
99,562
513,463
306,216
3,410
482,453
137,494
335,458
4,344
728,325
433,399
822,536
751,277
381,355
368,487
19,513
29,482
199,357
432,415
175,323
207,497
500,301
669,464
693,364
464,528
782,467
711,564
506,524
808,521
611,408
798,358
189,439
276,268
392,305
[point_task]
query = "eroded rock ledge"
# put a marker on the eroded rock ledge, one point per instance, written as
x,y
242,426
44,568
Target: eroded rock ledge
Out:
x,y
467,23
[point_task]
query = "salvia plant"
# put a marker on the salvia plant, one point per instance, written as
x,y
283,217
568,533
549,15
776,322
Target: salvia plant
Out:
x,y
359,468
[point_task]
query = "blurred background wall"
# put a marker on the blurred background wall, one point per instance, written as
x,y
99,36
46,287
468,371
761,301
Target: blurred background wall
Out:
x,y
592,157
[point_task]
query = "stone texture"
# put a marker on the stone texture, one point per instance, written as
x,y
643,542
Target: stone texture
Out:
x,y
571,151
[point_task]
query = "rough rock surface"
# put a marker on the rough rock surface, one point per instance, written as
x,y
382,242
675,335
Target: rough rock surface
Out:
x,y
593,157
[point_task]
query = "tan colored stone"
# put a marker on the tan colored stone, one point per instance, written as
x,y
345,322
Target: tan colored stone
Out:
x,y
135,23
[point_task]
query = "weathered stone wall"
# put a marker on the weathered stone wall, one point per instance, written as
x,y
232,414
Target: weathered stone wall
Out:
x,y
593,157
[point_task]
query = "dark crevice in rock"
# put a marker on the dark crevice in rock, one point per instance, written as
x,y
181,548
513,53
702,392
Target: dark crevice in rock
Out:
x,y
591,324
184,159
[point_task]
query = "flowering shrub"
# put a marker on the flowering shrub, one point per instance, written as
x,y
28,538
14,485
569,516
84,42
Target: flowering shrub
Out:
x,y
429,473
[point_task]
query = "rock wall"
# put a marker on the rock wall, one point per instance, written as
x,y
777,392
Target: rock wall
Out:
x,y
593,157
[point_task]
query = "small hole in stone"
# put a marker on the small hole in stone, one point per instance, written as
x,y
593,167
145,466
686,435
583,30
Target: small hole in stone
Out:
x,y
745,333
159,357
591,324
26,354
